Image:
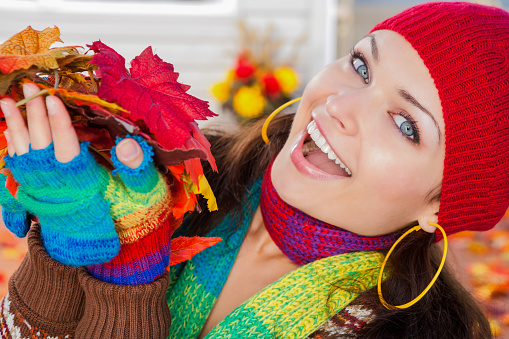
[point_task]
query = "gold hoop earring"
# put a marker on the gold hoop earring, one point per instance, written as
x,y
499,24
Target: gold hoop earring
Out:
x,y
419,297
272,115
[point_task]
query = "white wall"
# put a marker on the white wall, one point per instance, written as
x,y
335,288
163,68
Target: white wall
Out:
x,y
201,40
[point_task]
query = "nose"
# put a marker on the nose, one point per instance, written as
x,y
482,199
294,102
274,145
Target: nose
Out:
x,y
344,112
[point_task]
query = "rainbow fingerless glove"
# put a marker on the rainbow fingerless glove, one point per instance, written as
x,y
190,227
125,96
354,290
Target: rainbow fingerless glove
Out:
x,y
141,209
68,198
117,224
14,215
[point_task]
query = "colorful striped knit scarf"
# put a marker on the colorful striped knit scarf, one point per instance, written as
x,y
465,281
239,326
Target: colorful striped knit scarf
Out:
x,y
304,239
292,307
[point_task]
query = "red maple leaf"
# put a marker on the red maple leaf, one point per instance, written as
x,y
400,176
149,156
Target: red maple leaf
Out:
x,y
150,92
184,248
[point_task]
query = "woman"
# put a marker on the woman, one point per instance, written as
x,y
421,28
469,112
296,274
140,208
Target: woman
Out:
x,y
411,128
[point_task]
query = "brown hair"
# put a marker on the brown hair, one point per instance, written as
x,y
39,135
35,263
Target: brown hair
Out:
x,y
446,311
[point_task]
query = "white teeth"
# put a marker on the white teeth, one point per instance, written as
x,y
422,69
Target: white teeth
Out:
x,y
312,127
320,141
331,155
315,134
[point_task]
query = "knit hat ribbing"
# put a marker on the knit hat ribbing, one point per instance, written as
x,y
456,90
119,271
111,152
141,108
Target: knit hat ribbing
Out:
x,y
466,50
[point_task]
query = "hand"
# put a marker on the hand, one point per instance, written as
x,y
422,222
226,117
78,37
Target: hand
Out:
x,y
136,202
52,125
60,182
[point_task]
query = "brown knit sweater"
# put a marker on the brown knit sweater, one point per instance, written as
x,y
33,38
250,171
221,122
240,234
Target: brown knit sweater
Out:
x,y
49,300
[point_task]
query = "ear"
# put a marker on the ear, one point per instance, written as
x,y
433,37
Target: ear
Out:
x,y
429,214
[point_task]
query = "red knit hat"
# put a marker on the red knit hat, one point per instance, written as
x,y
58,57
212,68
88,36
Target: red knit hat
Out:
x,y
466,50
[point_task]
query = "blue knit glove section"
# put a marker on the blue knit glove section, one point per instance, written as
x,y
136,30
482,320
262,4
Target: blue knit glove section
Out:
x,y
68,198
140,178
15,216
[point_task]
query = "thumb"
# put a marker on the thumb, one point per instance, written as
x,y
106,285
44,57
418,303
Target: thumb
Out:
x,y
129,153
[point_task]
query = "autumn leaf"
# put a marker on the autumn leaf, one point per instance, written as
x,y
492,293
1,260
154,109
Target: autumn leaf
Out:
x,y
207,193
7,79
79,98
183,201
31,41
32,48
11,185
116,125
77,63
75,82
200,142
184,248
150,92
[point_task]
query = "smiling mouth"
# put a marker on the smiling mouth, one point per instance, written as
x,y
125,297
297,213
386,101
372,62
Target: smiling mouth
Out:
x,y
317,151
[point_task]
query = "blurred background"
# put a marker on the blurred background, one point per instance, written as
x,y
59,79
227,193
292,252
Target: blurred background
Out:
x,y
202,38
246,57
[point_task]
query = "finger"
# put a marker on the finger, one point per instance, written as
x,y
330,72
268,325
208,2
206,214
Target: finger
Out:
x,y
38,124
129,153
10,146
65,139
16,125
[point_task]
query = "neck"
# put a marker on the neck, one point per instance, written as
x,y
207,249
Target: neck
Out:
x,y
304,239
259,239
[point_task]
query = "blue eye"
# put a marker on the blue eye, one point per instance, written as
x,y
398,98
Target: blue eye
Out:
x,y
360,67
406,126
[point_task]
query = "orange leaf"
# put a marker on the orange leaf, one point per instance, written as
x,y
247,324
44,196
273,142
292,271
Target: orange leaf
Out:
x,y
30,41
11,184
45,60
31,47
184,248
80,98
182,202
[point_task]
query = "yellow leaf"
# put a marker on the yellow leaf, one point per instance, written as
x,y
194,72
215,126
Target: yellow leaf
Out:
x,y
207,193
31,48
76,77
79,98
204,190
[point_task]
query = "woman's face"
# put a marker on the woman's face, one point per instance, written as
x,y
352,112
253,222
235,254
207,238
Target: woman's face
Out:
x,y
378,113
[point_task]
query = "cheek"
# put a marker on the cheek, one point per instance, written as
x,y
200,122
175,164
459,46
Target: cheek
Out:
x,y
400,180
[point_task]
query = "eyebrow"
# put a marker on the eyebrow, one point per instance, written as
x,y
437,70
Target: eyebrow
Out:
x,y
374,47
403,93
409,98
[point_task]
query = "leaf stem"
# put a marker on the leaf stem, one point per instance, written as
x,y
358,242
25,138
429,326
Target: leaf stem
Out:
x,y
57,79
24,101
94,83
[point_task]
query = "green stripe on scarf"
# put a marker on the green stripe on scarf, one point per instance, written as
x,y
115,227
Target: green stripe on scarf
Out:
x,y
300,302
292,307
